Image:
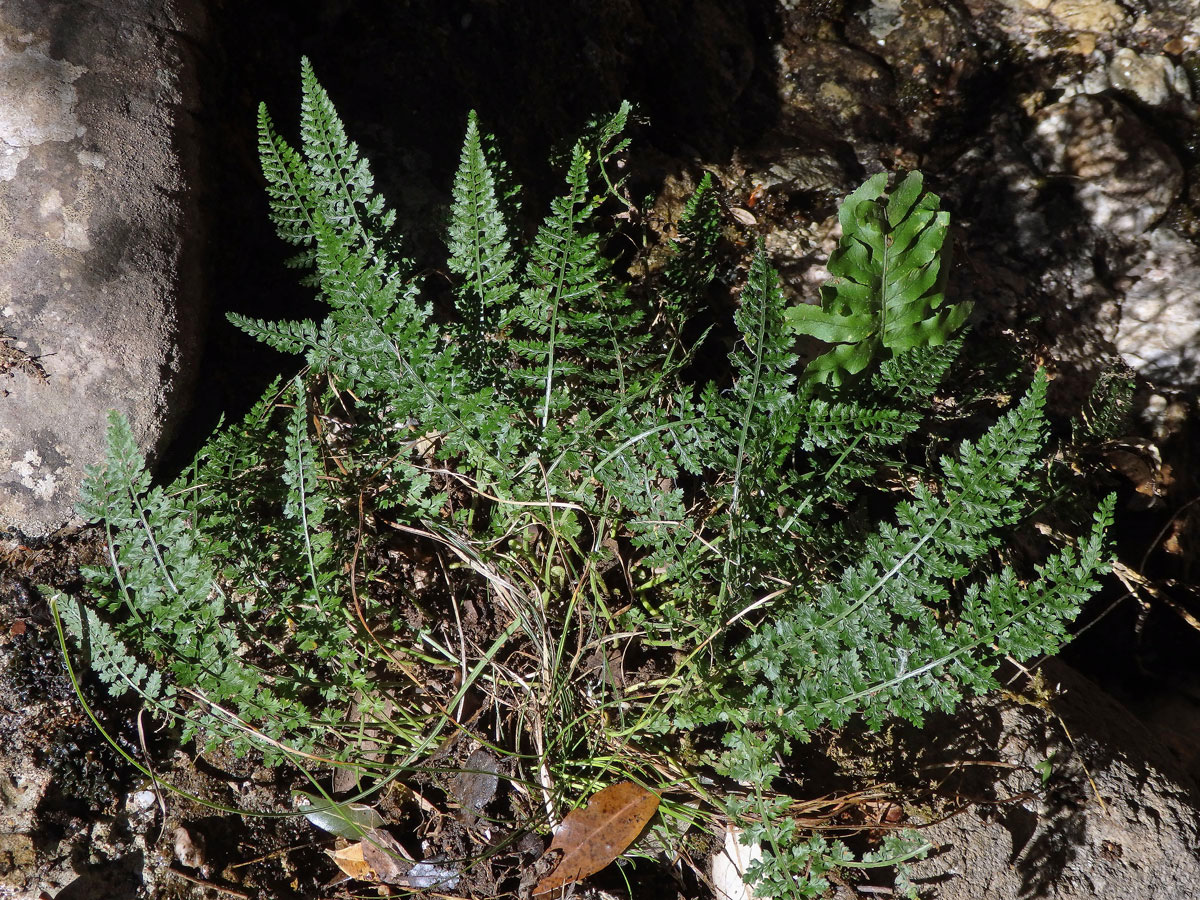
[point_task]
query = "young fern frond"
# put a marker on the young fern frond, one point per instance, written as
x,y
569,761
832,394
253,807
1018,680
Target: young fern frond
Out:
x,y
693,262
110,658
480,253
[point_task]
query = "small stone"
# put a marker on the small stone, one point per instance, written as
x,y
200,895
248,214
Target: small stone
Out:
x,y
1099,16
476,785
1153,79
189,847
140,801
18,859
1085,44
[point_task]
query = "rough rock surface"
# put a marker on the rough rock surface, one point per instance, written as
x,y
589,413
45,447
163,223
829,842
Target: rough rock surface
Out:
x,y
100,298
1112,814
1159,329
1125,179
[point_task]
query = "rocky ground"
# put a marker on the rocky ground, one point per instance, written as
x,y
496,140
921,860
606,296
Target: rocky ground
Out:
x,y
1063,135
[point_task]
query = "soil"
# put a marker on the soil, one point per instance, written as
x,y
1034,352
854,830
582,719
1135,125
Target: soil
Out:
x,y
803,100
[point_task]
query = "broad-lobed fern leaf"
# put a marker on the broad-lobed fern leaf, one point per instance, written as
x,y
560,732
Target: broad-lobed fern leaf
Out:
x,y
886,295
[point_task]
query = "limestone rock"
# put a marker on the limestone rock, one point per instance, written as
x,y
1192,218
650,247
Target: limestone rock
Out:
x,y
100,300
1125,179
1159,329
1150,77
1111,815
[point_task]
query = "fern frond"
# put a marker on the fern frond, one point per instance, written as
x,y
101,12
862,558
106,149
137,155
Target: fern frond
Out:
x,y
574,330
340,179
763,398
1106,413
286,337
111,660
879,621
289,190
479,251
693,262
886,296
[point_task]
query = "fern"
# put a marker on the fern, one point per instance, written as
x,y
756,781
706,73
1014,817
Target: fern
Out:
x,y
886,296
693,262
778,531
111,659
480,253
576,328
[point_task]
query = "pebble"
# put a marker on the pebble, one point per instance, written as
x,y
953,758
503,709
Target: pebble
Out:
x,y
1152,78
189,847
142,800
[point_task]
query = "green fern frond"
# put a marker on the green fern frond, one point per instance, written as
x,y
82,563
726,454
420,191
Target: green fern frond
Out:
x,y
873,641
574,329
693,262
287,337
341,180
479,252
289,191
1106,413
886,296
781,534
114,665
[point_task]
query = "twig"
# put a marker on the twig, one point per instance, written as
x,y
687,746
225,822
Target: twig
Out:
x,y
207,884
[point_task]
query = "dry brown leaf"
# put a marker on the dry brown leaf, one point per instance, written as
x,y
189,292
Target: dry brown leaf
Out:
x,y
594,835
744,216
385,857
377,857
350,860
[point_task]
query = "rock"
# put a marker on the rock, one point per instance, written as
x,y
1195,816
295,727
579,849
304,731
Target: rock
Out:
x,y
1159,329
930,51
1124,178
827,88
17,856
1152,78
1046,28
100,293
1095,16
1110,815
190,847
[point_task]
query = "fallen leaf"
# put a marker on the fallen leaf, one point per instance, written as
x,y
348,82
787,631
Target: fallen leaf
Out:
x,y
348,820
594,835
387,859
729,867
744,216
350,860
476,785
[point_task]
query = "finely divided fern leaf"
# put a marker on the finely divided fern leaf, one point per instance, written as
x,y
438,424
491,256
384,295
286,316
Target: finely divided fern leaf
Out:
x,y
479,252
878,640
